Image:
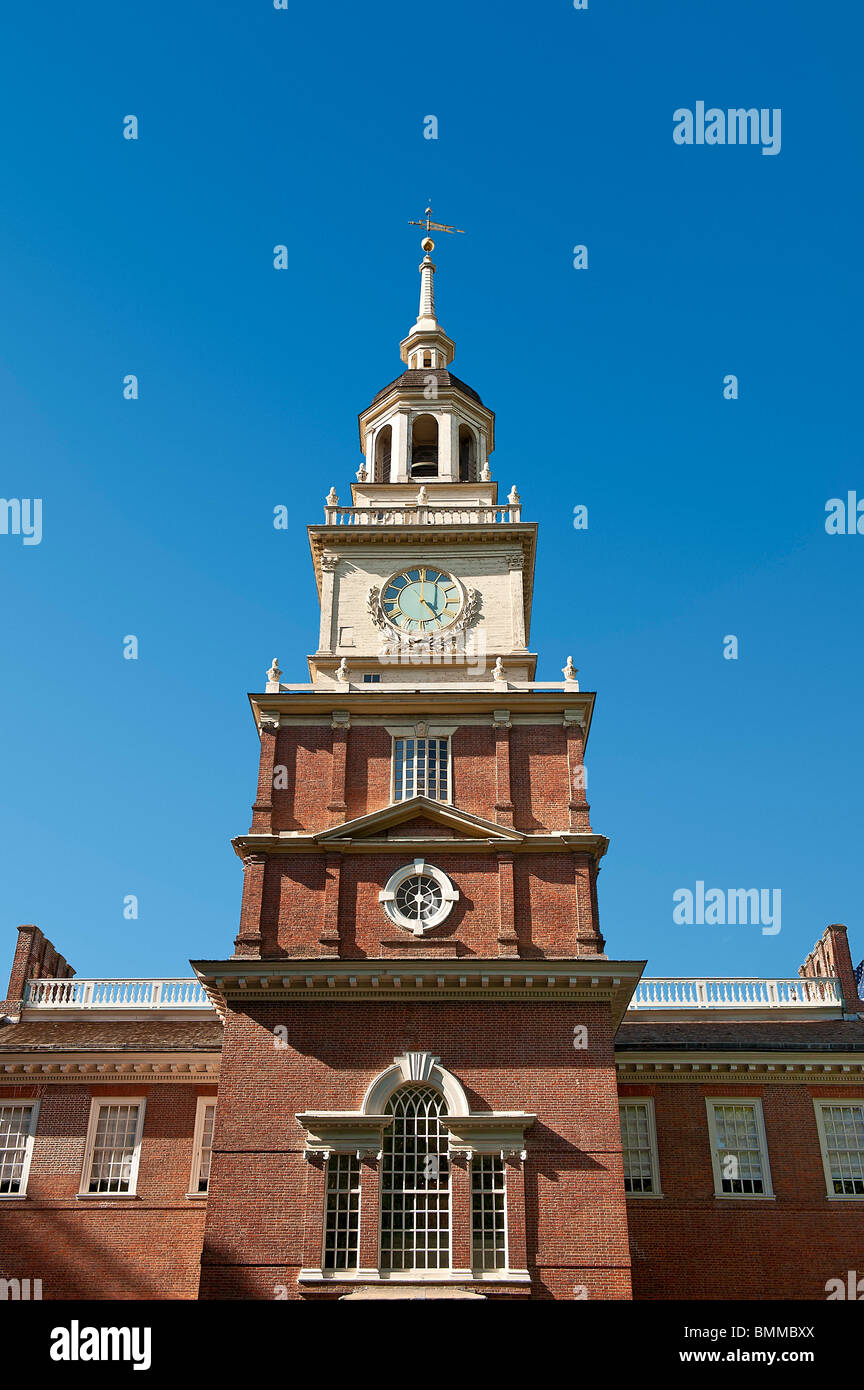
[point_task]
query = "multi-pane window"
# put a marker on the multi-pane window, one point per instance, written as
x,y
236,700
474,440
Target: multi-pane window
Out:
x,y
202,1149
415,1182
639,1147
17,1127
342,1218
841,1132
421,767
111,1164
488,1213
738,1149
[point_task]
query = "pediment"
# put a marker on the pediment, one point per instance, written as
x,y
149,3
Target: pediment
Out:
x,y
420,819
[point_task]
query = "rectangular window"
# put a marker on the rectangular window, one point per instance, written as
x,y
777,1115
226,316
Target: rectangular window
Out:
x,y
202,1145
421,767
841,1135
17,1128
639,1146
113,1147
342,1223
371,678
738,1149
488,1213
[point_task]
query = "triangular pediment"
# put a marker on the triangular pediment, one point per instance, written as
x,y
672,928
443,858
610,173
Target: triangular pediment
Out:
x,y
421,818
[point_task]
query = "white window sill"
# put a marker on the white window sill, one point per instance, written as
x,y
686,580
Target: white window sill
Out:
x,y
196,1196
107,1197
646,1196
745,1196
426,1276
13,1196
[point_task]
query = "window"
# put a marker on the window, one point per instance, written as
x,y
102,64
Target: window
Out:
x,y
738,1149
418,897
841,1135
415,1182
421,767
488,1213
639,1146
17,1128
202,1146
113,1147
342,1223
371,678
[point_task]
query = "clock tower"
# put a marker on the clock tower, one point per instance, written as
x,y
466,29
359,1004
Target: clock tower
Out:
x,y
418,1094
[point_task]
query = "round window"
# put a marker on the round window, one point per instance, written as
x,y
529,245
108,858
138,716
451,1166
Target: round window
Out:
x,y
418,896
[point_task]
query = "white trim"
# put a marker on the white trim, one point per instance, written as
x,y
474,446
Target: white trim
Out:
x,y
648,1103
415,1066
96,1103
418,866
819,1107
755,1103
410,732
20,1103
197,1140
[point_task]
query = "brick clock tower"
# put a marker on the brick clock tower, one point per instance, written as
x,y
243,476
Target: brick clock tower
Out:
x,y
417,1095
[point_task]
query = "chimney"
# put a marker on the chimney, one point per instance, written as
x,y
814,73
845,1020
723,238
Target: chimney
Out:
x,y
35,958
831,956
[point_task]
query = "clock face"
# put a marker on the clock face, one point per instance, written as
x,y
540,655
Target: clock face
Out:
x,y
421,600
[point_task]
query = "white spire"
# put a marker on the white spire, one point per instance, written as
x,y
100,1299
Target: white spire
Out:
x,y
427,285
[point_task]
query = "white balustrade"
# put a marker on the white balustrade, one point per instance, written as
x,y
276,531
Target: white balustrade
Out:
x,y
679,993
115,994
420,515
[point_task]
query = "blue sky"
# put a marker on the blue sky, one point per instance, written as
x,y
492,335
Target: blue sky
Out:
x,y
706,516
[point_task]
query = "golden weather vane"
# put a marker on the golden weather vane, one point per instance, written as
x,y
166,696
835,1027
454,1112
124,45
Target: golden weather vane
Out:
x,y
431,226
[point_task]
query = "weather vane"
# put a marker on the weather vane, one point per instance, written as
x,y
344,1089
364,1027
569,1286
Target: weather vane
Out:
x,y
427,242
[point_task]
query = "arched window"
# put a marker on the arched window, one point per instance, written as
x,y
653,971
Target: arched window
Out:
x,y
467,455
383,446
424,447
427,359
415,1182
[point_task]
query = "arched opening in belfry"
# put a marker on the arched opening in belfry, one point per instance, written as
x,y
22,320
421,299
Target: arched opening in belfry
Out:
x,y
467,455
424,447
383,447
427,359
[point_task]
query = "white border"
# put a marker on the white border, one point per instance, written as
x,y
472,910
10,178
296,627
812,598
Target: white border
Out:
x,y
387,897
20,1103
648,1102
95,1103
197,1138
819,1106
756,1103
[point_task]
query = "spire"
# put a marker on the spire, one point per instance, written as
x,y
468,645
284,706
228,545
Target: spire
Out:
x,y
427,345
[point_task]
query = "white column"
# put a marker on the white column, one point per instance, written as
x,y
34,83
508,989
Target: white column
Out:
x,y
399,447
517,603
328,570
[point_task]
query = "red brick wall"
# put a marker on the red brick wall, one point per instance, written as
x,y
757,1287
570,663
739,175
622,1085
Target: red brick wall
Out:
x,y
540,782
507,1057
691,1244
133,1248
552,896
539,774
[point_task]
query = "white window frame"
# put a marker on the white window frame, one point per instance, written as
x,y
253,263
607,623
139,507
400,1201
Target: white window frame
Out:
x,y
499,1270
343,1271
647,1102
756,1104
387,896
819,1106
197,1152
439,737
22,1104
96,1103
